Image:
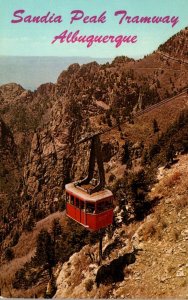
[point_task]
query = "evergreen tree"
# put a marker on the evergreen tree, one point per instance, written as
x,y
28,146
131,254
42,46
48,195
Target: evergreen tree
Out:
x,y
154,150
145,158
126,153
185,144
56,229
170,153
155,126
9,254
45,249
57,238
139,187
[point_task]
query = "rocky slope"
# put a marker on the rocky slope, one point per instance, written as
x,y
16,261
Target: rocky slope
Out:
x,y
10,179
159,267
176,46
91,97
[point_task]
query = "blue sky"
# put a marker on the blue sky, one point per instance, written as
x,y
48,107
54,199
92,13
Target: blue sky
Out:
x,y
35,39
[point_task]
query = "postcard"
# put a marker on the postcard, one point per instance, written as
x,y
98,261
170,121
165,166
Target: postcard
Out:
x,y
93,149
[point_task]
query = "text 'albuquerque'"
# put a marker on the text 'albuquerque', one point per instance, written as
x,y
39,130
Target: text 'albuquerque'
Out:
x,y
80,17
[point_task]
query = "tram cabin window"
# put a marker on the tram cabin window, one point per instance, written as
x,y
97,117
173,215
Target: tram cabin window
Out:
x,y
72,200
81,205
104,205
109,203
67,197
101,207
90,208
77,203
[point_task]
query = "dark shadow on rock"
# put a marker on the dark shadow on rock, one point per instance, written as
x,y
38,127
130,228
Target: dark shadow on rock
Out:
x,y
109,248
114,272
146,208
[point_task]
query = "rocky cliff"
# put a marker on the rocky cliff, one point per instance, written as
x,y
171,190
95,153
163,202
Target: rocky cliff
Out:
x,y
10,177
90,97
144,259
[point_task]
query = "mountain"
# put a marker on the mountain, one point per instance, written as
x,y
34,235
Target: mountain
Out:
x,y
42,128
177,45
32,71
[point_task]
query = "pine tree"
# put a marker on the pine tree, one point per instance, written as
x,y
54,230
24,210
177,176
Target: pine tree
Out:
x,y
45,249
9,254
139,188
155,126
145,157
170,153
57,238
56,229
126,154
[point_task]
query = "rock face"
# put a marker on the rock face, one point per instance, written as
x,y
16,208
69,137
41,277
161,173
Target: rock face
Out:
x,y
157,267
10,178
8,159
55,158
177,46
47,123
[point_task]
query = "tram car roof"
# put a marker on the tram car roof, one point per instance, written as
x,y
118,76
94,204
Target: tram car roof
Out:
x,y
82,194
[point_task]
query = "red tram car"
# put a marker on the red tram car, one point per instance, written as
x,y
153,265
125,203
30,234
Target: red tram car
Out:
x,y
93,211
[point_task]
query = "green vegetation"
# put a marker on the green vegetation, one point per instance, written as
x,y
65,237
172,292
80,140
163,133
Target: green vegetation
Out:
x,y
134,187
53,247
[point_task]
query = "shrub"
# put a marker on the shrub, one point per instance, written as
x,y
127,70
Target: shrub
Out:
x,y
174,179
181,203
9,254
175,235
149,229
164,224
89,285
15,238
29,224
